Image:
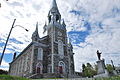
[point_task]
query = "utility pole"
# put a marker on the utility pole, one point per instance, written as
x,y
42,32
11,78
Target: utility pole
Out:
x,y
8,39
7,42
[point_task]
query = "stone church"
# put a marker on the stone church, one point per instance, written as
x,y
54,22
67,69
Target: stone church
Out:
x,y
47,57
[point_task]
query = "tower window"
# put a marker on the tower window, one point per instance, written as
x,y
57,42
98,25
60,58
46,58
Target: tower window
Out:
x,y
57,17
40,54
60,48
49,18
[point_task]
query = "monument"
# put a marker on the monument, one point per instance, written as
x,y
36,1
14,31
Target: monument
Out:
x,y
102,71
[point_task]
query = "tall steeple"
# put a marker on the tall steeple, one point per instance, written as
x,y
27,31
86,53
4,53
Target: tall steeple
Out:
x,y
54,4
35,35
54,15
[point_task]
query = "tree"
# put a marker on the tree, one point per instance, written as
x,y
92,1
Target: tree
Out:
x,y
83,67
109,68
88,70
3,71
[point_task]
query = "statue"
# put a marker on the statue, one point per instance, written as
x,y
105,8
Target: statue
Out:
x,y
99,55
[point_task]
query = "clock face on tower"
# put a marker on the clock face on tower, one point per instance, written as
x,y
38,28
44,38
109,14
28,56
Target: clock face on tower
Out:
x,y
59,33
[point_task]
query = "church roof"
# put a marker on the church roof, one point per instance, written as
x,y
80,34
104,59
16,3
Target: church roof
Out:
x,y
32,43
22,52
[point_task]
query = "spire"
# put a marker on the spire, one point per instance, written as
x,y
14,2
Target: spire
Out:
x,y
69,43
45,28
63,23
54,4
35,35
54,14
36,27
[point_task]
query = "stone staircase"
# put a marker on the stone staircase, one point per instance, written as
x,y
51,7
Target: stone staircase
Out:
x,y
37,76
51,75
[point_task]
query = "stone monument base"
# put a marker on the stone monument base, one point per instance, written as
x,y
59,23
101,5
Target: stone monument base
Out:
x,y
115,72
102,71
106,74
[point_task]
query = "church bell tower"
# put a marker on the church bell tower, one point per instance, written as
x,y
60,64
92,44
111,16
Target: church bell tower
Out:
x,y
56,30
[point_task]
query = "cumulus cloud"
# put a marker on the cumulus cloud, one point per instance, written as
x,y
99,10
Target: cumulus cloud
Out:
x,y
4,65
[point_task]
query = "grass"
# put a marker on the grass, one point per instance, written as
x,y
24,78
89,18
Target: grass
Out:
x,y
7,77
110,78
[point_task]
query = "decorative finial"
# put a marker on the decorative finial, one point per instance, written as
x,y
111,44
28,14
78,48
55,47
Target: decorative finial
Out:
x,y
45,28
63,23
36,27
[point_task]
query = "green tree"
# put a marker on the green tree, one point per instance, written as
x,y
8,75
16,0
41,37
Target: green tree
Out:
x,y
83,69
109,68
3,71
88,70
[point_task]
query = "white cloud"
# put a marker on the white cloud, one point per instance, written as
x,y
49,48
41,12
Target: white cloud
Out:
x,y
4,65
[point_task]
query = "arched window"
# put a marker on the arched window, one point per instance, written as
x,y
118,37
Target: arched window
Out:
x,y
61,67
60,48
40,54
57,17
39,68
49,18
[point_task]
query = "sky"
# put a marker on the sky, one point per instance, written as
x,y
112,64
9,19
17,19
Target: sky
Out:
x,y
91,25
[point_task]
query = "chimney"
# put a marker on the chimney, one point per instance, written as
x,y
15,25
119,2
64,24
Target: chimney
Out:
x,y
14,56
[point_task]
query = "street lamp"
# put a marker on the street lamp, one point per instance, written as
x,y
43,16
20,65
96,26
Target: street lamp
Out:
x,y
8,39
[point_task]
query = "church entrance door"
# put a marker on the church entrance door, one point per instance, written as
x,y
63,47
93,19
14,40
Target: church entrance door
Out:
x,y
61,69
38,70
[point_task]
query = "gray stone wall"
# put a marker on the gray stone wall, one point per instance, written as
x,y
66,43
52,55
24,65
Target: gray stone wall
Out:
x,y
21,65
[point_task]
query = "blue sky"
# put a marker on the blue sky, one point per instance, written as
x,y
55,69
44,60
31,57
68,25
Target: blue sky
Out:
x,y
91,25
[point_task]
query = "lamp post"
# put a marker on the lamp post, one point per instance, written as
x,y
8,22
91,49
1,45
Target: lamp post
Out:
x,y
8,39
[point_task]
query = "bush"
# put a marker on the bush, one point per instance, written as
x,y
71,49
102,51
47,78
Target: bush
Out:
x,y
3,71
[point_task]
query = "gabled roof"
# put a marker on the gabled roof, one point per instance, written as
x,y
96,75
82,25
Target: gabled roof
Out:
x,y
32,43
22,52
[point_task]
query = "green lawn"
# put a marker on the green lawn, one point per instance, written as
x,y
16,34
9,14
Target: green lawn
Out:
x,y
7,77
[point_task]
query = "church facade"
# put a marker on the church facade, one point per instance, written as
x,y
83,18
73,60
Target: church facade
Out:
x,y
47,57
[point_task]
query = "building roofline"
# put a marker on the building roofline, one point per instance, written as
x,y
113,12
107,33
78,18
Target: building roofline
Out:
x,y
29,46
22,52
